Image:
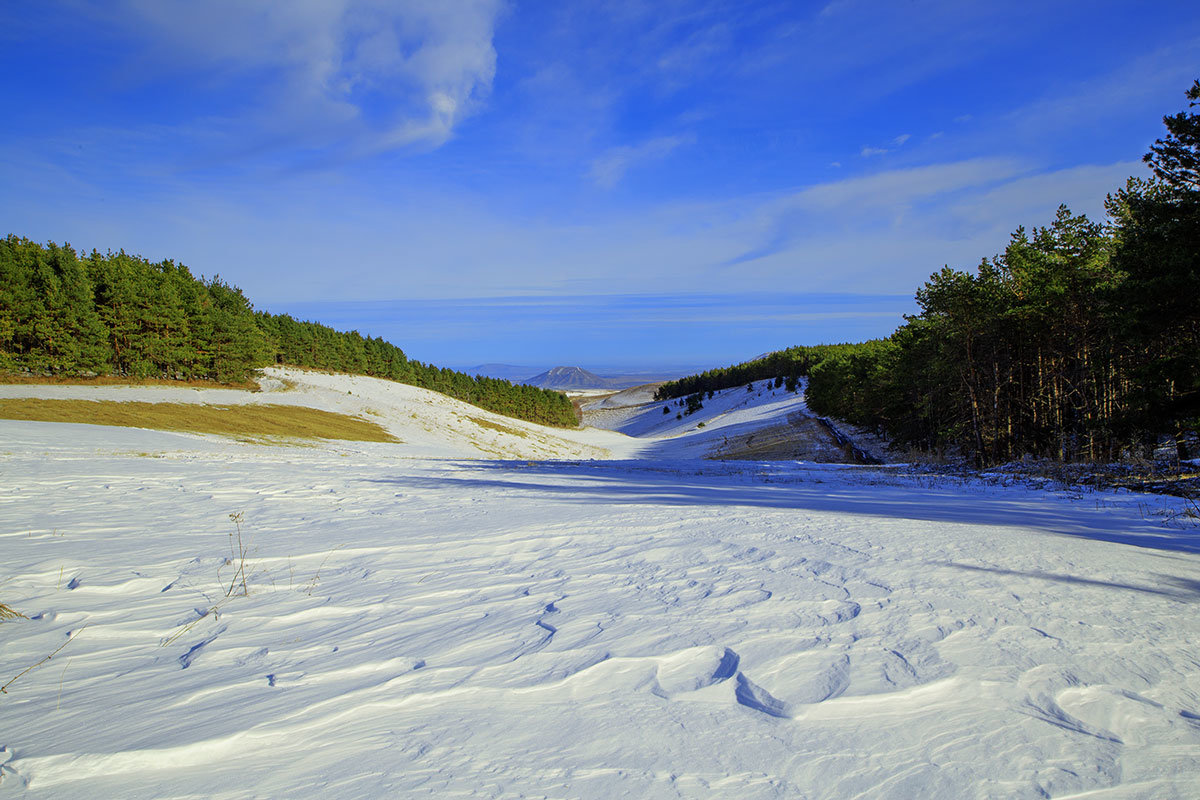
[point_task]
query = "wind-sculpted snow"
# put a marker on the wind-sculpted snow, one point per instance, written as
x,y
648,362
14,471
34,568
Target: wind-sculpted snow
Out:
x,y
595,629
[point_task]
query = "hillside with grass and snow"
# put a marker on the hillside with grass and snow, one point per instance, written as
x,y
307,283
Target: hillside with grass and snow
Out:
x,y
487,607
67,315
419,422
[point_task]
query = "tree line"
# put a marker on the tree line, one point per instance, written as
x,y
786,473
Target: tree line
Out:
x,y
117,314
790,365
1081,341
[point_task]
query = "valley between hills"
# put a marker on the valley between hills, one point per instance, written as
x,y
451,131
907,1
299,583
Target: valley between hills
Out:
x,y
645,606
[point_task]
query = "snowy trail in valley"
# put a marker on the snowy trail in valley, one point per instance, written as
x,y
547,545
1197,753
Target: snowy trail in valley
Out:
x,y
643,628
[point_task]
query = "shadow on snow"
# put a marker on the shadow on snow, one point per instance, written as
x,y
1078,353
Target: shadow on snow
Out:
x,y
863,491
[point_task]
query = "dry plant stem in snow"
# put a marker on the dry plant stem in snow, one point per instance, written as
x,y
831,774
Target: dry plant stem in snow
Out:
x,y
215,611
238,556
61,680
1193,506
312,584
8,612
4,688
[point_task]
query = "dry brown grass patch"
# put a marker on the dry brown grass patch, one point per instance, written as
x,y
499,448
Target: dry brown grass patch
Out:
x,y
19,379
240,421
496,426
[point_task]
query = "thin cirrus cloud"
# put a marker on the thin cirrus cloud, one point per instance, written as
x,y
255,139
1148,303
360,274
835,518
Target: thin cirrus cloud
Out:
x,y
867,202
1109,95
902,186
652,329
869,152
610,167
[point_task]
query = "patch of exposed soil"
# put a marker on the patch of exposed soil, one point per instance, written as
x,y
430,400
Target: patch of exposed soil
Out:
x,y
801,438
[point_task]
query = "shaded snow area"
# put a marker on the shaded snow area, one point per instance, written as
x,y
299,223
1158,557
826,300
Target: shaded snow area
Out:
x,y
634,412
746,422
652,625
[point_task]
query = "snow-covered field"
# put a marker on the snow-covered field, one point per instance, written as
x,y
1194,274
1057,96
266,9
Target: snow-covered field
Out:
x,y
457,616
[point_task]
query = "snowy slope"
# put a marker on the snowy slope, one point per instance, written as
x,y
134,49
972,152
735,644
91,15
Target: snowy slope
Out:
x,y
427,423
658,626
625,398
725,409
722,428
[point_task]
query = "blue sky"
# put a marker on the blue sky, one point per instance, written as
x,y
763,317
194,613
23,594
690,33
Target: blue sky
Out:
x,y
617,183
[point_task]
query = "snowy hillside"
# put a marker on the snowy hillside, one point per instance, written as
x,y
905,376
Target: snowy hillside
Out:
x,y
428,424
634,411
461,616
746,422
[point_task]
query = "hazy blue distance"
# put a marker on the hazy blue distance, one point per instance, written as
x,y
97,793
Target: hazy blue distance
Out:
x,y
647,331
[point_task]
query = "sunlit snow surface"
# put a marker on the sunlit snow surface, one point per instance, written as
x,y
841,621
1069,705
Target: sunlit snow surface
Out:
x,y
614,628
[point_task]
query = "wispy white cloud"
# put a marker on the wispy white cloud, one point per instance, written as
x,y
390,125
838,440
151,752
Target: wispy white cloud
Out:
x,y
884,232
1031,199
375,74
731,326
1135,83
860,214
870,152
835,7
681,61
608,170
902,186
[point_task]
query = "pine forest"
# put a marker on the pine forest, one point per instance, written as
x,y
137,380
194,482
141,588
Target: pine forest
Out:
x,y
1081,341
116,314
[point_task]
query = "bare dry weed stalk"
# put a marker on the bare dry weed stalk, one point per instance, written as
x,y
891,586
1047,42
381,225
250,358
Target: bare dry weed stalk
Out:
x,y
238,556
215,611
32,667
61,679
8,612
312,584
1192,505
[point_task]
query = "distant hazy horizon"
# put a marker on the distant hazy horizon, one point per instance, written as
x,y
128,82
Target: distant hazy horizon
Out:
x,y
612,332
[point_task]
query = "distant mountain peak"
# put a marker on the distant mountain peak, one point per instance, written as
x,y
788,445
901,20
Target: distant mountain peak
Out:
x,y
569,378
